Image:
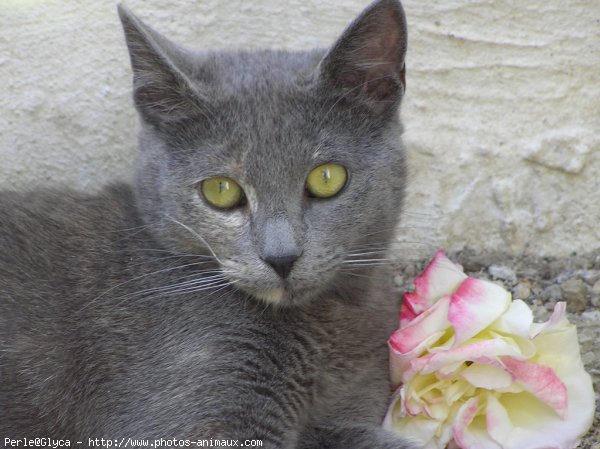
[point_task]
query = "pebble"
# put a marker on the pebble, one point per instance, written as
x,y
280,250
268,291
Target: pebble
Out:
x,y
553,269
536,290
595,298
522,290
399,280
596,261
591,315
552,294
410,271
473,262
596,287
529,273
503,273
588,276
588,358
543,269
575,293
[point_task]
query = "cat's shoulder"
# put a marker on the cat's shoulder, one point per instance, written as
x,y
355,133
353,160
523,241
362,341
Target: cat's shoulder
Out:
x,y
46,219
63,206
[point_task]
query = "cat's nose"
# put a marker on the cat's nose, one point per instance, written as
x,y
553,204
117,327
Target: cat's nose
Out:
x,y
282,264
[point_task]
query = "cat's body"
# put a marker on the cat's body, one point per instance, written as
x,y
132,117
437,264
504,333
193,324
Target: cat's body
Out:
x,y
145,312
82,363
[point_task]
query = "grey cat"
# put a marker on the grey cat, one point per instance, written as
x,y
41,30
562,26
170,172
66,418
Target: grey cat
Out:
x,y
239,289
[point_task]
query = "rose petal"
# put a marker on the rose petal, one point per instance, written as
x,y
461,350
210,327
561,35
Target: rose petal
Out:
x,y
463,418
407,314
449,371
421,430
400,362
474,306
558,348
413,393
487,376
497,420
394,411
454,391
431,321
469,432
440,278
516,320
481,350
536,425
409,342
556,319
532,426
540,381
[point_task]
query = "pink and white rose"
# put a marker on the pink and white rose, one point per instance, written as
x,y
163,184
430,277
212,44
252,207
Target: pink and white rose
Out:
x,y
473,369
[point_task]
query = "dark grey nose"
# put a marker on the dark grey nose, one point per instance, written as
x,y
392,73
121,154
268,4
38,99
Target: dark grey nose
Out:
x,y
282,264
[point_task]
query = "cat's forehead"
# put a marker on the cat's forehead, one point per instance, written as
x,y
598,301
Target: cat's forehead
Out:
x,y
266,103
260,70
269,137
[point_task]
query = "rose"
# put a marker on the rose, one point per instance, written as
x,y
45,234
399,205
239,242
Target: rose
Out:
x,y
475,369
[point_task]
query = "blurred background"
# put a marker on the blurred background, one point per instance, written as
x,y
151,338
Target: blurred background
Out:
x,y
502,111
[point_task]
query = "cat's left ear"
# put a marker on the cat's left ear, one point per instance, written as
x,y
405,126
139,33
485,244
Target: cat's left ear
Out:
x,y
162,90
367,61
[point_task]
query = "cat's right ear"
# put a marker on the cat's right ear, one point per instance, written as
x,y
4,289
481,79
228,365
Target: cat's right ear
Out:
x,y
161,91
366,64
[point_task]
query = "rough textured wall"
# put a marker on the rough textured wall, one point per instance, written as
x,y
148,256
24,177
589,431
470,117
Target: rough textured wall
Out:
x,y
502,111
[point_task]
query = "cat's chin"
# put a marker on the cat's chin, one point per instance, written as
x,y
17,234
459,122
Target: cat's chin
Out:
x,y
283,296
272,296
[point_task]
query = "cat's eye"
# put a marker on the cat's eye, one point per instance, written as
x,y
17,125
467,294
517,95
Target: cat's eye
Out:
x,y
222,192
326,180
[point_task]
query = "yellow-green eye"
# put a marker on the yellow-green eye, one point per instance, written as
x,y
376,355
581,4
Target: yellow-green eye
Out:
x,y
223,193
326,180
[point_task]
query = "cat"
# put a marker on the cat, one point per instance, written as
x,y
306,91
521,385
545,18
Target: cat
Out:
x,y
238,289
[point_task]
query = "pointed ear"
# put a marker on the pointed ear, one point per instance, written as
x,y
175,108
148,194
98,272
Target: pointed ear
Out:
x,y
367,62
161,90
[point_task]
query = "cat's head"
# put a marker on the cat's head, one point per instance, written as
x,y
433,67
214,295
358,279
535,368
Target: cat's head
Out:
x,y
288,166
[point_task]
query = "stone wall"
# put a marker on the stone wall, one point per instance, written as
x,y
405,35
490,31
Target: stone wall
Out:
x,y
502,111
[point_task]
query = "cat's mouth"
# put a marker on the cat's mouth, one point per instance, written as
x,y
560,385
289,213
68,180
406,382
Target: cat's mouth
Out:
x,y
263,284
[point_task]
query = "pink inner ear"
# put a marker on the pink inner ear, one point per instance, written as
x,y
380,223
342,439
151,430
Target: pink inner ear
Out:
x,y
369,58
350,79
381,56
381,83
381,43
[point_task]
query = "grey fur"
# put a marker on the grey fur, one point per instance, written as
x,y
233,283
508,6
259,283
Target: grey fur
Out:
x,y
144,312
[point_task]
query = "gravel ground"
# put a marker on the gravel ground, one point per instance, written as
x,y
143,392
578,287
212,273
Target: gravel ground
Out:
x,y
541,282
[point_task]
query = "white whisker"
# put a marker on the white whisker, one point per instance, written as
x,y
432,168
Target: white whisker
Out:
x,y
137,278
205,281
194,233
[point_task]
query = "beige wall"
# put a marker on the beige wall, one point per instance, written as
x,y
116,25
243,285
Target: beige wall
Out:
x,y
502,111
